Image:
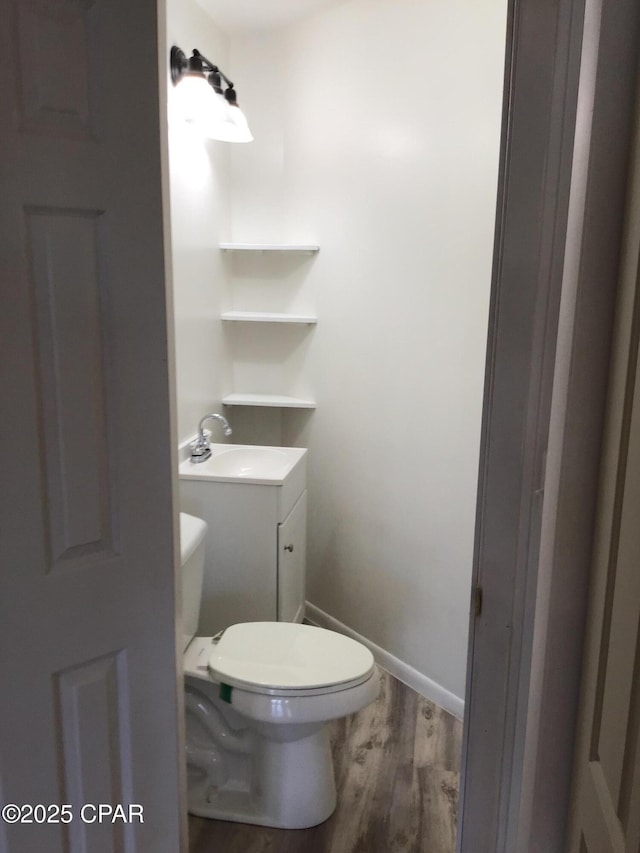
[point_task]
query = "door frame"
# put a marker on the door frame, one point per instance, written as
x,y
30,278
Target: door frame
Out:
x,y
170,367
545,387
559,227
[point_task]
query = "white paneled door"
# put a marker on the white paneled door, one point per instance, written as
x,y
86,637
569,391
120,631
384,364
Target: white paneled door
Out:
x,y
606,795
88,697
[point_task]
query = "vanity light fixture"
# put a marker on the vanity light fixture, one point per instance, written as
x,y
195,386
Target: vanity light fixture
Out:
x,y
214,110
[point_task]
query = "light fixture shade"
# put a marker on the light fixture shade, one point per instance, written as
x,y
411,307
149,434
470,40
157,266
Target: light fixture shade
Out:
x,y
241,123
234,129
198,102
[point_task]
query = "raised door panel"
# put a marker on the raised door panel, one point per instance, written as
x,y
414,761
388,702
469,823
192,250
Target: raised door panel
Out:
x,y
95,749
608,805
54,45
70,300
605,816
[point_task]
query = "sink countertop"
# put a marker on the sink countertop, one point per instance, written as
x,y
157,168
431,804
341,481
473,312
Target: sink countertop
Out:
x,y
245,463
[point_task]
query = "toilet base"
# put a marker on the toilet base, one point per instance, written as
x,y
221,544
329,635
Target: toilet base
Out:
x,y
245,777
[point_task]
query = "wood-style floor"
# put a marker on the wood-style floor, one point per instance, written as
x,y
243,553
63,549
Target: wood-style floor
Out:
x,y
397,774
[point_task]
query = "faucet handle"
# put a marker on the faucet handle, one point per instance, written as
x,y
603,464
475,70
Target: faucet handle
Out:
x,y
200,450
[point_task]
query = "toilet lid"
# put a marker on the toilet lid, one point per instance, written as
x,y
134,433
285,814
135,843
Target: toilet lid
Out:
x,y
267,656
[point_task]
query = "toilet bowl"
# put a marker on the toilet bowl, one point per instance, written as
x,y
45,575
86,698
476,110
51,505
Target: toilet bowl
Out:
x,y
258,700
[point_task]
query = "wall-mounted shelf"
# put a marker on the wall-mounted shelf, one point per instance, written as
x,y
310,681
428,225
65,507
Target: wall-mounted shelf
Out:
x,y
268,317
305,249
273,401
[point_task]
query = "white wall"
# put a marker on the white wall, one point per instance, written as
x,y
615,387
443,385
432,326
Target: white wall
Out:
x,y
199,192
377,135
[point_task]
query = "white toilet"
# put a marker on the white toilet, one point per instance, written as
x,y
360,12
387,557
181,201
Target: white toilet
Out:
x,y
257,702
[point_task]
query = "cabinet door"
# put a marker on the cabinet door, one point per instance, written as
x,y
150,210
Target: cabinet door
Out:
x,y
292,559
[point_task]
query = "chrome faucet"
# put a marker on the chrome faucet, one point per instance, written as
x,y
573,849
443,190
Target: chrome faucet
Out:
x,y
200,449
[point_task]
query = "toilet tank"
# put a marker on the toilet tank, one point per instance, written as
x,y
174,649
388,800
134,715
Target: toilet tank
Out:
x,y
192,533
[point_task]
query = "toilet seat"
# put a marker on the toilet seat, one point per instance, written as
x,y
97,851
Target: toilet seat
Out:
x,y
288,659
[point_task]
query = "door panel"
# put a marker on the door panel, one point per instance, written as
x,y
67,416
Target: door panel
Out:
x,y
68,331
89,705
606,795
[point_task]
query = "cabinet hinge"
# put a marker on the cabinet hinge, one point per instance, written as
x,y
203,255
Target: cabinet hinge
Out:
x,y
477,600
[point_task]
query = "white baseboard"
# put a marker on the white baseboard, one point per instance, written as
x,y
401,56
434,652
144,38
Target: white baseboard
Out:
x,y
399,669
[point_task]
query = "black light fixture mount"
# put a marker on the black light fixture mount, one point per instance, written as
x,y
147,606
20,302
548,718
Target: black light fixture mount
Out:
x,y
199,64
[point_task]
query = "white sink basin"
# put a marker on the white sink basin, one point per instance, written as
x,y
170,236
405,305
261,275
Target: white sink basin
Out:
x,y
248,462
245,463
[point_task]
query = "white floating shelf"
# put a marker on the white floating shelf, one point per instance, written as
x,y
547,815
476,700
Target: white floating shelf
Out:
x,y
273,401
270,247
268,317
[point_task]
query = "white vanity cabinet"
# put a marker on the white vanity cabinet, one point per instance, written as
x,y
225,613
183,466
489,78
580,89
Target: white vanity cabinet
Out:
x,y
292,550
255,545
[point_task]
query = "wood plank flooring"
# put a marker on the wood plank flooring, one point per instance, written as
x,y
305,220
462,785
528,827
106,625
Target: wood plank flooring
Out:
x,y
397,773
